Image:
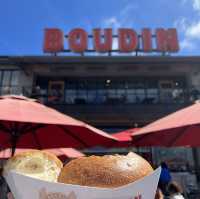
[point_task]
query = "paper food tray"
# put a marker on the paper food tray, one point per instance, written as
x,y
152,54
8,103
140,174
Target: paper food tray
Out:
x,y
24,187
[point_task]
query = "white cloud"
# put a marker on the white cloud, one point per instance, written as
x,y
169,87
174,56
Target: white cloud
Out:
x,y
196,5
193,31
111,22
187,44
124,18
183,2
190,32
128,9
189,29
181,24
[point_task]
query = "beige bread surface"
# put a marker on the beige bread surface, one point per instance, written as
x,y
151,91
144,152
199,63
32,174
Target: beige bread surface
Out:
x,y
108,171
35,163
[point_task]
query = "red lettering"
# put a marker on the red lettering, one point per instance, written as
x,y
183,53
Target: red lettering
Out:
x,y
128,40
53,40
146,40
167,40
106,45
78,39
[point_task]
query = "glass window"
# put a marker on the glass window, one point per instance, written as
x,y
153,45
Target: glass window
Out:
x,y
81,96
92,96
6,78
131,98
152,95
15,78
71,85
140,95
1,76
101,96
70,96
121,93
111,93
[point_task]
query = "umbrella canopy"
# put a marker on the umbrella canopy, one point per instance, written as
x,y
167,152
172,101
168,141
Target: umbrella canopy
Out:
x,y
181,128
59,152
25,123
124,137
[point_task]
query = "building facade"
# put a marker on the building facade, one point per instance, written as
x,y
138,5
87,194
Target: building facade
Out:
x,y
106,91
110,92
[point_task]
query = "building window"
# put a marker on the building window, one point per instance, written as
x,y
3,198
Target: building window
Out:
x,y
115,91
9,82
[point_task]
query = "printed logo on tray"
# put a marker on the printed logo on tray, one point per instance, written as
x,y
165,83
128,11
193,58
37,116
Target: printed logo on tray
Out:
x,y
139,196
43,194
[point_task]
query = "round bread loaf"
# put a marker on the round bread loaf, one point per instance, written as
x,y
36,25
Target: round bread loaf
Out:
x,y
107,171
35,163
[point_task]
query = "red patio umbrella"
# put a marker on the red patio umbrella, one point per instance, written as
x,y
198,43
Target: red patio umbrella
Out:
x,y
25,123
124,137
59,152
181,128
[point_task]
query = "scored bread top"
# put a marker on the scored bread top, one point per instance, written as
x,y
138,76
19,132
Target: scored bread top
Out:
x,y
35,163
107,171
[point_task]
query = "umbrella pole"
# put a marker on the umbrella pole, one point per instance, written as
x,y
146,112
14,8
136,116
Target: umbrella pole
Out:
x,y
14,143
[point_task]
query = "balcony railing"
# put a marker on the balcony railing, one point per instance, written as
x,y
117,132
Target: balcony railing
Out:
x,y
182,96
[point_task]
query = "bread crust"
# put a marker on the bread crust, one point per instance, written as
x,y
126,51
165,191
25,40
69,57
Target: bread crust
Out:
x,y
35,163
30,153
108,171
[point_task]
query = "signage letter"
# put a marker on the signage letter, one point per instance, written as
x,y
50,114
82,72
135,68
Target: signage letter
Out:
x,y
106,44
128,40
53,40
78,39
167,40
146,40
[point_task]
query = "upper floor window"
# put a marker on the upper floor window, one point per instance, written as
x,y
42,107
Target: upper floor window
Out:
x,y
9,82
9,77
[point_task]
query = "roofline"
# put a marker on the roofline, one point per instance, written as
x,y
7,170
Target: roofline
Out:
x,y
45,59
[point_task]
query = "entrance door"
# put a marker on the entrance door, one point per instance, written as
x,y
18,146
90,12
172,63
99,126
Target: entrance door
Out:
x,y
56,91
166,89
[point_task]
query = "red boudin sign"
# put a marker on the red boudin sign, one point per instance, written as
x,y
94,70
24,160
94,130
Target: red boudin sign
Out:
x,y
128,40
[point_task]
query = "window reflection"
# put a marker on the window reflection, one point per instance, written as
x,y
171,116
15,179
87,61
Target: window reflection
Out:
x,y
9,82
114,91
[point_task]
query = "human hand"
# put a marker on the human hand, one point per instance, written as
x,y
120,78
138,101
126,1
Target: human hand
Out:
x,y
10,196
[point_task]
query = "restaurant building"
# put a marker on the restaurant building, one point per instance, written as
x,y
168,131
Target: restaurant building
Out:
x,y
110,89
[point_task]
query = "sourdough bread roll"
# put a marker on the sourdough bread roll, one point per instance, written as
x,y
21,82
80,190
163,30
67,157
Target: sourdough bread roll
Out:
x,y
36,164
108,171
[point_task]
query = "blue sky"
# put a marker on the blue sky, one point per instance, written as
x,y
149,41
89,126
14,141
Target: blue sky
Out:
x,y
22,21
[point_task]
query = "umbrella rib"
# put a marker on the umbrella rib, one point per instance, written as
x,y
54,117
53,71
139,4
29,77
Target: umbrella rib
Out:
x,y
31,128
73,136
36,139
25,127
4,128
178,135
139,139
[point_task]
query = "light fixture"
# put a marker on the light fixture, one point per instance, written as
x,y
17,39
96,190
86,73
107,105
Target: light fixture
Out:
x,y
108,81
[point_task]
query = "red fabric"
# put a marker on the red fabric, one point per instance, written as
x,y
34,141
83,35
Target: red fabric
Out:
x,y
67,152
181,128
124,137
56,129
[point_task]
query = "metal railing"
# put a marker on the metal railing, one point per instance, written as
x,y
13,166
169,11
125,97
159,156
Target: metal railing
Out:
x,y
185,96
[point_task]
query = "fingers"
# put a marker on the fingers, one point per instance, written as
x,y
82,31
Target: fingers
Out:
x,y
10,196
